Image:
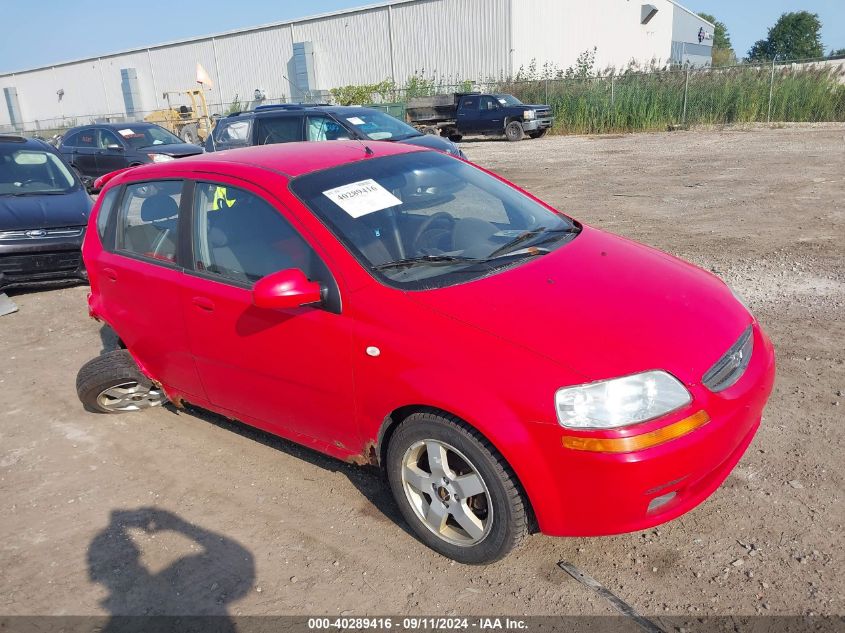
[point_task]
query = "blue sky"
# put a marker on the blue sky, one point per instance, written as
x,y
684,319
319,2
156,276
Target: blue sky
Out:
x,y
41,32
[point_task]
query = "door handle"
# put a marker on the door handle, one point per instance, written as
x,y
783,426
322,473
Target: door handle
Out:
x,y
203,303
110,273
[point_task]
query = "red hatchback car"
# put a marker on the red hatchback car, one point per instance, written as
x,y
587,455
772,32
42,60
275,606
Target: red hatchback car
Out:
x,y
508,367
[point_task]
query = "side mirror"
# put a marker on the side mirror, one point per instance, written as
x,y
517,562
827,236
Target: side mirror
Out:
x,y
286,289
114,146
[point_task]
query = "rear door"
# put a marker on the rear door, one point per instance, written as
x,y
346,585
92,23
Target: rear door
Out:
x,y
279,128
140,276
286,370
85,152
468,114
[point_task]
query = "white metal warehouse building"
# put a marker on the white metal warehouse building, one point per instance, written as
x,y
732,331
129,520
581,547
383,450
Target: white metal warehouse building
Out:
x,y
452,40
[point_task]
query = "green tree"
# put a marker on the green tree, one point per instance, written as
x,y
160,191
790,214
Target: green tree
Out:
x,y
795,35
723,50
839,52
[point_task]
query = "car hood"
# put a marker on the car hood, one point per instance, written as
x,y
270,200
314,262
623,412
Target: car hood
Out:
x,y
433,142
603,306
174,149
44,212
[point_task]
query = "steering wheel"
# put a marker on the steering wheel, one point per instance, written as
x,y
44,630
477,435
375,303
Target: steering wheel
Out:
x,y
426,226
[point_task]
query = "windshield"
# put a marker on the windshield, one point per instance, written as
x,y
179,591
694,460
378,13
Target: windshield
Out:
x,y
32,172
508,100
147,136
425,220
379,126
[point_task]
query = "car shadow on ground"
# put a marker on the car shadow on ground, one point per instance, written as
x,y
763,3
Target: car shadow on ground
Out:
x,y
368,480
201,584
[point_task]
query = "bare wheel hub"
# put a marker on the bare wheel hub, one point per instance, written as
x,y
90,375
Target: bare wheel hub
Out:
x,y
130,396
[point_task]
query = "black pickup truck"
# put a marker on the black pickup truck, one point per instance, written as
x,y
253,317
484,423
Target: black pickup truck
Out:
x,y
464,113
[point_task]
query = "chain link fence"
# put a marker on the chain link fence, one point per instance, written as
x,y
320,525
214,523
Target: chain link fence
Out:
x,y
806,91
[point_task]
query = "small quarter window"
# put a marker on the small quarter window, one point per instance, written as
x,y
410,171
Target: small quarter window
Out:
x,y
105,210
149,219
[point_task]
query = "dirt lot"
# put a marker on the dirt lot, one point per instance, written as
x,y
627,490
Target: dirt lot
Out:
x,y
248,524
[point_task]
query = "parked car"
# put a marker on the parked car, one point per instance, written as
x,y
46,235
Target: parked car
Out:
x,y
95,150
43,214
459,114
502,362
288,123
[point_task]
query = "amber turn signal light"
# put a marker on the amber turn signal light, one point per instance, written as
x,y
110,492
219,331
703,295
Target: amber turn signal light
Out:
x,y
637,442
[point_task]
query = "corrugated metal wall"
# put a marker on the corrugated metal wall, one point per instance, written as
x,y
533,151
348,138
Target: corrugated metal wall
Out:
x,y
452,40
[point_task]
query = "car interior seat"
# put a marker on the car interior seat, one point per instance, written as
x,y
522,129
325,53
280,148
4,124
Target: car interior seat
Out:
x,y
156,237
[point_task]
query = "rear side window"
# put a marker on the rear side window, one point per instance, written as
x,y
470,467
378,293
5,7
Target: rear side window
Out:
x,y
285,129
86,138
149,219
105,210
241,238
469,104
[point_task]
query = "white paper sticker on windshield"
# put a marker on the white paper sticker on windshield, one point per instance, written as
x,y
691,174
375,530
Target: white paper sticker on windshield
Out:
x,y
354,120
125,132
362,197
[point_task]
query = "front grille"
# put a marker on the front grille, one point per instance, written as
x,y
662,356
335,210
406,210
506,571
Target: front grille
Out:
x,y
42,234
730,367
37,263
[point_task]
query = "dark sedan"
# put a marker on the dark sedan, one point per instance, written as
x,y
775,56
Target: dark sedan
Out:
x,y
43,212
94,150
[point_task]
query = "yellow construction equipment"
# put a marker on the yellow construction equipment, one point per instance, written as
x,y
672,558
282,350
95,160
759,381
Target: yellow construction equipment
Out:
x,y
190,123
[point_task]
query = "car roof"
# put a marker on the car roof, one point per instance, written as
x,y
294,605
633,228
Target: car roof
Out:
x,y
25,142
288,159
296,108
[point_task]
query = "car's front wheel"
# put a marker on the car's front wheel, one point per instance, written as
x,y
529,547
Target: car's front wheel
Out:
x,y
454,489
112,383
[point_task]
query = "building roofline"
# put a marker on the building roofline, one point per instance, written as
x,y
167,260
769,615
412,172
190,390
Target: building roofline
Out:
x,y
691,12
212,36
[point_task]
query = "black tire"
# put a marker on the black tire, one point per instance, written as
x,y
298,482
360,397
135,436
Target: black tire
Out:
x,y
189,133
508,513
430,129
107,371
514,131
456,138
539,133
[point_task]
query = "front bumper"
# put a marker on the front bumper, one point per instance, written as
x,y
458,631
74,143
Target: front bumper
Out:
x,y
537,124
602,493
30,261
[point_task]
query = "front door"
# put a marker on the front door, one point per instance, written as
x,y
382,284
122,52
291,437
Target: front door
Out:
x,y
282,369
490,115
111,153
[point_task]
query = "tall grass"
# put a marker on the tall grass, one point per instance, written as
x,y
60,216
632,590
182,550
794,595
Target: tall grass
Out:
x,y
631,102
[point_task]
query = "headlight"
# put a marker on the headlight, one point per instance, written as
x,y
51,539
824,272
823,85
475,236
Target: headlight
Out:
x,y
611,404
160,158
528,115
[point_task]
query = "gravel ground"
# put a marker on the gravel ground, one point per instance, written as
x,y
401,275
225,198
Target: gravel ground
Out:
x,y
182,512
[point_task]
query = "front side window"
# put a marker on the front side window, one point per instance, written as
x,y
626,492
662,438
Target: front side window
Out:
x,y
488,103
108,139
27,172
425,220
149,219
321,128
239,237
283,129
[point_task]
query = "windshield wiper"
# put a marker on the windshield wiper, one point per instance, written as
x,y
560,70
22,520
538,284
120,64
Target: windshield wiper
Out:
x,y
524,237
428,260
20,194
